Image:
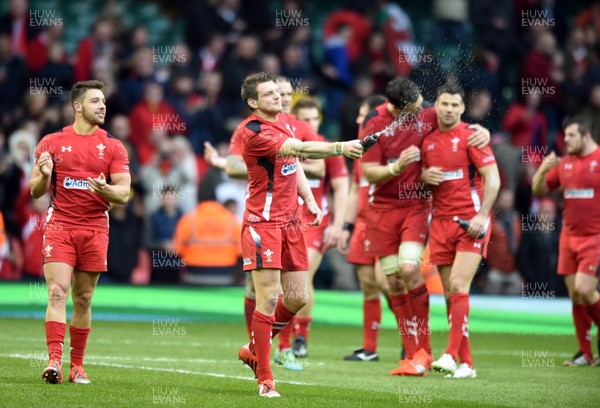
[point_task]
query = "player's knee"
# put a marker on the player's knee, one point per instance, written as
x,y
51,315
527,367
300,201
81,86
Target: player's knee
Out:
x,y
409,259
57,294
83,300
459,284
369,288
583,292
390,265
412,275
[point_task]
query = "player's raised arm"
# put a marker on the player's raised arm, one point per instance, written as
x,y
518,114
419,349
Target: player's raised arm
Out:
x,y
39,182
319,150
539,186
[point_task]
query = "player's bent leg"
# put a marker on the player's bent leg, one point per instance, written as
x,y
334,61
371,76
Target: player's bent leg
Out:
x,y
84,284
58,280
583,324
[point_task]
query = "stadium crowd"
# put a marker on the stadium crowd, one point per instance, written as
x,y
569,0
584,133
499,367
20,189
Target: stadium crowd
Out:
x,y
524,64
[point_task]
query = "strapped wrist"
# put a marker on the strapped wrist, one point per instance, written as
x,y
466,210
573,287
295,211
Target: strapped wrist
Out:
x,y
348,226
391,169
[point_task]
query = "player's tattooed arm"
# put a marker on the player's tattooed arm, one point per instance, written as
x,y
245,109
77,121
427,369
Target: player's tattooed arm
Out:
x,y
319,150
39,183
235,167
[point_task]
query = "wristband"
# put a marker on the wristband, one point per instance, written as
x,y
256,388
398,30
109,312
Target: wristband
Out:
x,y
348,226
310,200
338,148
391,169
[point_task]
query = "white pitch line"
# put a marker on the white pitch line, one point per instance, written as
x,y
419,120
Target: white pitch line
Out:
x,y
166,370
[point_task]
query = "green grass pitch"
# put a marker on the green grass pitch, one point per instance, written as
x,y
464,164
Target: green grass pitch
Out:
x,y
176,360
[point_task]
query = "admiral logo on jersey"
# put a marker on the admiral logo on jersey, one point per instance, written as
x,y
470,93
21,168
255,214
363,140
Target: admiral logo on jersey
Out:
x,y
288,169
75,184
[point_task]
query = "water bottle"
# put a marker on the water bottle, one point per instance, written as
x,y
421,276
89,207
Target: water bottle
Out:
x,y
464,224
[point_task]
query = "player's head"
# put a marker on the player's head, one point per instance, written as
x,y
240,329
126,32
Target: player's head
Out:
x,y
286,91
368,105
308,109
579,132
449,105
260,92
88,102
404,95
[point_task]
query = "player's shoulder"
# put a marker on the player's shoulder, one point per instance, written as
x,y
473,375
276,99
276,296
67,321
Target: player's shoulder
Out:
x,y
51,137
375,115
251,125
110,140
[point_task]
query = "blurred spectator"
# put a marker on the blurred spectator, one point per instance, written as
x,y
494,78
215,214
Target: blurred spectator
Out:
x,y
270,63
37,49
209,123
16,25
428,75
33,239
11,255
208,240
174,166
592,109
398,29
22,144
481,72
151,114
478,109
361,27
58,72
363,88
116,102
99,45
451,17
239,64
210,55
503,277
125,240
526,124
493,24
183,97
13,81
137,39
537,257
293,67
161,229
336,68
375,61
590,17
141,73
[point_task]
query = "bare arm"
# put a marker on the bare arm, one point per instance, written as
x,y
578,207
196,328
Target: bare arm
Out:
x,y
212,157
319,150
351,210
539,187
340,196
376,173
235,167
480,137
491,187
305,194
314,168
39,182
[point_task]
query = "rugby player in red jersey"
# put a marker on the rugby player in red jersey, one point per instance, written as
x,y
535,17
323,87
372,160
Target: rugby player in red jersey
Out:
x,y
397,218
272,242
85,169
578,175
318,238
352,242
235,167
465,182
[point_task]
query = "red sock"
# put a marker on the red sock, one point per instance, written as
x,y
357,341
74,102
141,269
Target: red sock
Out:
x,y
302,326
459,318
419,303
282,317
249,305
261,344
583,324
55,338
594,313
401,307
79,338
284,335
371,323
464,351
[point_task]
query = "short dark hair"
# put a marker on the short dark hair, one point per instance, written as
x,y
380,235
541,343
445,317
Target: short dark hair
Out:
x,y
373,101
452,90
402,92
82,87
584,125
306,102
250,85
